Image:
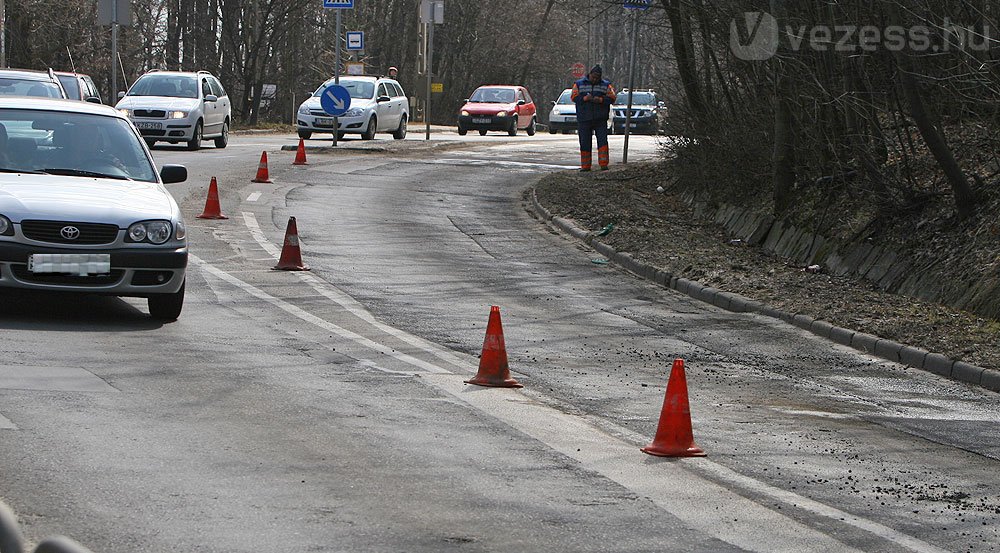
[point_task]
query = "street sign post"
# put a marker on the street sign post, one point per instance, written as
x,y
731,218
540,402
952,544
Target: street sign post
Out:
x,y
335,100
340,6
431,13
355,40
114,13
638,5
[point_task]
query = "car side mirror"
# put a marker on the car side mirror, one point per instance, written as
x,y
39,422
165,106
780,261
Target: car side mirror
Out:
x,y
171,174
94,99
121,94
383,99
211,98
466,100
521,102
661,104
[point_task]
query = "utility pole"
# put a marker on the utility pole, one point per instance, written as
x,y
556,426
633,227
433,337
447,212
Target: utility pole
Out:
x,y
631,84
336,79
431,13
114,50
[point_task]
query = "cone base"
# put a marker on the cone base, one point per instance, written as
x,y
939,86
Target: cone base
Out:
x,y
209,216
661,451
264,181
290,268
508,383
299,163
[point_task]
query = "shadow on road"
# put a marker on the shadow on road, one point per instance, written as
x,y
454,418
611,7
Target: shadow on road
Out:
x,y
47,311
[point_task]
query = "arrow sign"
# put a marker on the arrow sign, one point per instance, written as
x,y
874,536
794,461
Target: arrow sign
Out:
x,y
335,100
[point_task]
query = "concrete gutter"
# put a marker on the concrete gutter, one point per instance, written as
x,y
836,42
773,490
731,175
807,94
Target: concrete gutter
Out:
x,y
866,343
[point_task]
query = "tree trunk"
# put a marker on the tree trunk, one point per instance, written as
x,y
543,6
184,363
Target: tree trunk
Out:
x,y
783,158
686,64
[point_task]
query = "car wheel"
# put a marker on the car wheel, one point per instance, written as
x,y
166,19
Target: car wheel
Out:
x,y
512,131
195,141
462,131
223,141
369,133
531,128
150,143
552,130
401,131
166,307
482,133
305,135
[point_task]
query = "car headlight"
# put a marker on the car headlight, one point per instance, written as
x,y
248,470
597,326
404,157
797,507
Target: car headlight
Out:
x,y
465,113
156,232
354,112
6,228
501,114
178,114
126,112
304,109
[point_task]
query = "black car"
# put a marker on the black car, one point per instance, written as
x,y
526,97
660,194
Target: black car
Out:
x,y
646,109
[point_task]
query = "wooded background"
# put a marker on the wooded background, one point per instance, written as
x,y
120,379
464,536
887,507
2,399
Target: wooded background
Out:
x,y
896,124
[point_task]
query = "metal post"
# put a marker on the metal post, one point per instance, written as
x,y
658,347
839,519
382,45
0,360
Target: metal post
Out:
x,y
114,51
336,78
3,34
430,65
631,85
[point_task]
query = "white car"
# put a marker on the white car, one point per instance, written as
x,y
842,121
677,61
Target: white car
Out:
x,y
177,106
377,105
82,207
562,117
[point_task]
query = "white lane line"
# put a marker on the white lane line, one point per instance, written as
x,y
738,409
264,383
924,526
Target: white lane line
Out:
x,y
254,197
421,365
349,303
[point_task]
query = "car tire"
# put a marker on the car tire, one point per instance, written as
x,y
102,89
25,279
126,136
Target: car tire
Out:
x,y
552,130
482,133
305,135
369,133
150,143
223,141
195,141
462,131
400,133
531,128
166,307
512,131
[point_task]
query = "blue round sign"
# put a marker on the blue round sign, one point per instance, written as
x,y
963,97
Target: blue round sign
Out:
x,y
335,100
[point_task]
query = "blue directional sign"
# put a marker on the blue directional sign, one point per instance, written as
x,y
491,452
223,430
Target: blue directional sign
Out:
x,y
355,40
340,4
636,4
335,100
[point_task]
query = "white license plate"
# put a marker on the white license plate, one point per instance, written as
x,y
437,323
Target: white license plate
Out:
x,y
82,264
482,120
323,122
571,119
634,125
148,126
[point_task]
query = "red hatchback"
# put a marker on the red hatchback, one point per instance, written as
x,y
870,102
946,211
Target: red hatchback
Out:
x,y
498,108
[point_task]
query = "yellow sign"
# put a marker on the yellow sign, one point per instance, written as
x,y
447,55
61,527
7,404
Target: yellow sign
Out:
x,y
437,87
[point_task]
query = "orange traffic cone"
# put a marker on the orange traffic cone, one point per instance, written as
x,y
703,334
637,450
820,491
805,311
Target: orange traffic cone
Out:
x,y
291,257
673,435
262,175
493,368
212,209
300,154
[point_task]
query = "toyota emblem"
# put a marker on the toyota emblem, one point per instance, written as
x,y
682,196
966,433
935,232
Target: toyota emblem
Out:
x,y
70,232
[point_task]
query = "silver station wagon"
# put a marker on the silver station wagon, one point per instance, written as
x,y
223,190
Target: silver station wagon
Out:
x,y
82,207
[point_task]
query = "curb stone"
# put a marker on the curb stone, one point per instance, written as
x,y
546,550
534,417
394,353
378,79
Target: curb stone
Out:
x,y
873,345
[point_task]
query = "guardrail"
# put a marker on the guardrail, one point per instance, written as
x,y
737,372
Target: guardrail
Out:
x,y
11,540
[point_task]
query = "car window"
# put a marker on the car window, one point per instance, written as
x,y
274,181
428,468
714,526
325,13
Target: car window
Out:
x,y
91,87
566,97
74,144
71,85
173,86
13,86
216,87
638,99
493,96
382,91
397,88
357,89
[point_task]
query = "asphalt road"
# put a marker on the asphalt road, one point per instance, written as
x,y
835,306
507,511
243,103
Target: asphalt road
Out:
x,y
326,410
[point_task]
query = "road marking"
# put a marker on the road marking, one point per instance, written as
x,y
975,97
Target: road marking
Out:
x,y
5,424
253,197
304,315
349,303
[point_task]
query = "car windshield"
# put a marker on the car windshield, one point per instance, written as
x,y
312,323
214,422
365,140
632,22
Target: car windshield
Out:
x,y
566,97
357,89
15,86
75,144
70,85
172,86
638,99
493,96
